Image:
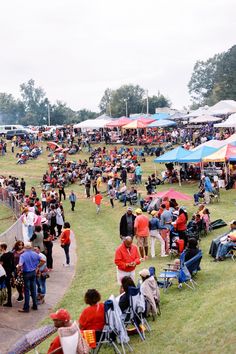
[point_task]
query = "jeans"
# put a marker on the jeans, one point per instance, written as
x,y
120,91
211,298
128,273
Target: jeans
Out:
x,y
29,289
72,206
196,197
223,249
30,231
66,249
41,284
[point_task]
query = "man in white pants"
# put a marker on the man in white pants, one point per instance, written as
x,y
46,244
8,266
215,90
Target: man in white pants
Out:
x,y
155,235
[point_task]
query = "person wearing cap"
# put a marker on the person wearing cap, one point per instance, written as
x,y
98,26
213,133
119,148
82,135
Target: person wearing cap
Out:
x,y
150,291
61,318
29,263
141,231
127,224
166,226
154,227
126,259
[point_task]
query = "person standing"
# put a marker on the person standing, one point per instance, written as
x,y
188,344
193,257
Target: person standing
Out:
x,y
112,195
98,200
72,199
23,185
138,174
127,224
126,259
61,192
154,227
87,183
166,225
65,242
59,219
141,231
7,261
29,263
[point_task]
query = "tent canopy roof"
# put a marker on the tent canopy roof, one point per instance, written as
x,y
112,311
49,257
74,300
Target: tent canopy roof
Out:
x,y
172,156
198,155
204,119
161,123
227,152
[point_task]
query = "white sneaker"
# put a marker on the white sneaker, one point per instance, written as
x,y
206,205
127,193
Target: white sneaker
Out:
x,y
165,255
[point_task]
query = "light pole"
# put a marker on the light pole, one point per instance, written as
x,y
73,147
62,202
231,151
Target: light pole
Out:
x,y
126,106
147,103
49,116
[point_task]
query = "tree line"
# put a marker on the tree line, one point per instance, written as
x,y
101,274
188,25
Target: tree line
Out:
x,y
214,79
33,106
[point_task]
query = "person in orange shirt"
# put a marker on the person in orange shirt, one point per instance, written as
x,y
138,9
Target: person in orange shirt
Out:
x,y
65,242
92,317
141,231
98,200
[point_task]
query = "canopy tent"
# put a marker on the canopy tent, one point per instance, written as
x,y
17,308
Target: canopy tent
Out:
x,y
177,116
198,155
104,117
92,124
230,139
204,119
198,112
226,153
211,143
172,156
160,116
135,124
171,194
118,122
223,107
228,123
162,123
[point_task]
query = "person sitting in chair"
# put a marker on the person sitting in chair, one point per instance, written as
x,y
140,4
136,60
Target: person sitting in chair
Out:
x,y
150,291
92,317
227,243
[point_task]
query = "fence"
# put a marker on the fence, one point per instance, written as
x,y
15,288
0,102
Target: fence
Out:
x,y
15,231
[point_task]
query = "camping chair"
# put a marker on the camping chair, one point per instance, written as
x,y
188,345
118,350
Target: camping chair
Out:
x,y
136,311
184,274
113,329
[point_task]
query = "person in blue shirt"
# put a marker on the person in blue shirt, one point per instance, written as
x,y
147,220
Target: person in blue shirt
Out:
x,y
29,263
72,199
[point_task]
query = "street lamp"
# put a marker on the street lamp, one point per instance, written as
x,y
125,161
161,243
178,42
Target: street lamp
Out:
x,y
126,106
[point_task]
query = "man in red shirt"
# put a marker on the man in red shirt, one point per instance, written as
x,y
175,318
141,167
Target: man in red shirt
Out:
x,y
98,200
61,319
141,231
126,259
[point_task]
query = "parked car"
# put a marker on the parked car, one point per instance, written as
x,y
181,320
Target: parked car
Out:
x,y
18,133
5,128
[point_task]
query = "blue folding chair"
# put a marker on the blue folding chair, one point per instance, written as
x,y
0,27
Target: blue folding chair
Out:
x,y
185,273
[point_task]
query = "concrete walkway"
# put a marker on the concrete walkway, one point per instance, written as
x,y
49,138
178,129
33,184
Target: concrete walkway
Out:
x,y
13,324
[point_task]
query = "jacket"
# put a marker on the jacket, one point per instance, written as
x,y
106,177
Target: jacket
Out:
x,y
124,227
124,255
181,223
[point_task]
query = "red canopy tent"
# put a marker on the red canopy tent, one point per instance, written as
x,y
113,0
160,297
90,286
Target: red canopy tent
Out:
x,y
118,122
171,194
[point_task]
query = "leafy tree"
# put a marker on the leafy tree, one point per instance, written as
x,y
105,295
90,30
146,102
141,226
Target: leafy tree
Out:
x,y
159,101
106,101
11,110
214,79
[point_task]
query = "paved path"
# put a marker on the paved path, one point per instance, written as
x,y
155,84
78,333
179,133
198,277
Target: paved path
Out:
x,y
14,324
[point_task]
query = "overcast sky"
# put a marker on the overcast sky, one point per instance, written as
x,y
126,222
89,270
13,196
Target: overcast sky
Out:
x,y
75,49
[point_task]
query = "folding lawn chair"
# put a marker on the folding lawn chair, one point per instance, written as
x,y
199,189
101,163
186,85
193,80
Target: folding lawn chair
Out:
x,y
135,314
185,273
114,328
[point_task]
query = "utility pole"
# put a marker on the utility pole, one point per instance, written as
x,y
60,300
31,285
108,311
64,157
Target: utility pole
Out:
x,y
147,103
110,108
126,107
49,117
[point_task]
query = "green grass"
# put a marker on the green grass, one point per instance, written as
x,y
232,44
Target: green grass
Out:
x,y
200,321
6,218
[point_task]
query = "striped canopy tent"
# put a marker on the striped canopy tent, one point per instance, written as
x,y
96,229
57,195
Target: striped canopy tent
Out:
x,y
137,124
172,156
118,122
224,154
160,116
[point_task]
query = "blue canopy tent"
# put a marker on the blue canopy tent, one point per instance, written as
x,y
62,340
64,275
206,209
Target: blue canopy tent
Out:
x,y
197,155
161,124
160,116
172,156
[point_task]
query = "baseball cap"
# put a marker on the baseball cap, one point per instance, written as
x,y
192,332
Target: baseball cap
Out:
x,y
153,212
129,209
61,314
144,273
138,211
232,222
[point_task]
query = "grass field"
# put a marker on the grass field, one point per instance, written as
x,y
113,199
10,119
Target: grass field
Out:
x,y
6,218
200,321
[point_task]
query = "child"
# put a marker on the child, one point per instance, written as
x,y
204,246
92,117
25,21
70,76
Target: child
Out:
x,y
112,195
206,218
98,200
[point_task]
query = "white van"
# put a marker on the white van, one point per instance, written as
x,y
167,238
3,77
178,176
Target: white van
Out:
x,y
5,128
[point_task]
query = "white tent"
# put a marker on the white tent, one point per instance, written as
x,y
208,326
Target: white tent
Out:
x,y
223,107
211,143
204,119
92,124
198,112
228,123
